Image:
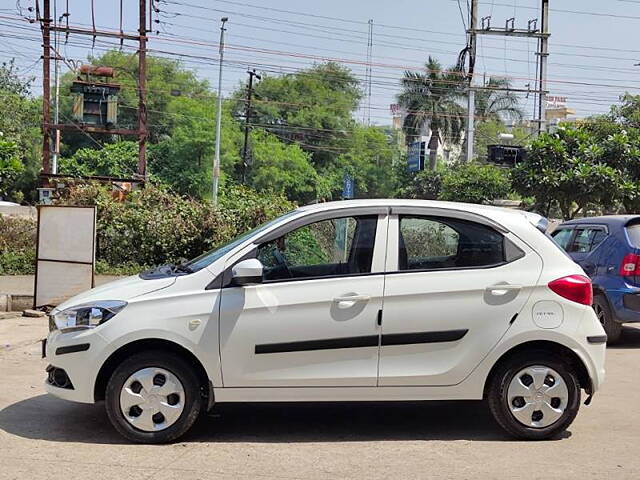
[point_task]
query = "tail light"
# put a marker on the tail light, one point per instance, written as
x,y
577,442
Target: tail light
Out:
x,y
576,288
630,266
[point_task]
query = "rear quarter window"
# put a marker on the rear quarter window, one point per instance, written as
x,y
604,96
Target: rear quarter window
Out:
x,y
633,232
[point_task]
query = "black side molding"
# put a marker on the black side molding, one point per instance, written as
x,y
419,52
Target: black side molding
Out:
x,y
328,344
81,347
364,341
597,339
423,337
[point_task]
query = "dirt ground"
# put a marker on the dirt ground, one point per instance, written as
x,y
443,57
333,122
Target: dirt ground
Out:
x,y
42,437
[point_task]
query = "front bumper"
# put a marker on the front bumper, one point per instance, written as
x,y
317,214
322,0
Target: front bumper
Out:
x,y
78,355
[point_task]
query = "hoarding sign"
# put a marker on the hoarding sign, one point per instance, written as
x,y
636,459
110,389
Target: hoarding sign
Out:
x,y
415,156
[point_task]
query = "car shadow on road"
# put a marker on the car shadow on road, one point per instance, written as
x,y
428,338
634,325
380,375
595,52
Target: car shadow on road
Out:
x,y
630,338
48,418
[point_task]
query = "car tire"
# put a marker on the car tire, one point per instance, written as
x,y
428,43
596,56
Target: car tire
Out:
x,y
532,420
612,328
143,407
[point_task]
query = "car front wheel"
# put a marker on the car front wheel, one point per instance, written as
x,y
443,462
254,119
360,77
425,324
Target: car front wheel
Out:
x,y
153,397
533,396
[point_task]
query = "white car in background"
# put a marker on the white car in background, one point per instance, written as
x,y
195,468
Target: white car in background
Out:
x,y
345,301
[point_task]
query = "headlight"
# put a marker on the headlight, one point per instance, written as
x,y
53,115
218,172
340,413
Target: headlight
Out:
x,y
87,315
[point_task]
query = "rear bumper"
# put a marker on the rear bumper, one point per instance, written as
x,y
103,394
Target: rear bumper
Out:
x,y
625,304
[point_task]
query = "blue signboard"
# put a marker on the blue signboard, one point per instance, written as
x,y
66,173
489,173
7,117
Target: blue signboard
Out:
x,y
415,156
347,186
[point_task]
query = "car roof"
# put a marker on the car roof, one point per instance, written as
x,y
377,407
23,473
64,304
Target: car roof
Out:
x,y
604,219
484,210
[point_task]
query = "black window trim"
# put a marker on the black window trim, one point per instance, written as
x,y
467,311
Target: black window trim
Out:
x,y
584,226
449,269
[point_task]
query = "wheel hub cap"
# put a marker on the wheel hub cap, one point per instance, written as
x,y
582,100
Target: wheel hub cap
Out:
x,y
152,399
537,396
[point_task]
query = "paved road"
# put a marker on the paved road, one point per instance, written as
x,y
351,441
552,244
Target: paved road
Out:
x,y
45,438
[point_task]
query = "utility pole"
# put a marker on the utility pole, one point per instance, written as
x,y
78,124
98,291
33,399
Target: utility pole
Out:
x,y
531,31
46,87
368,74
142,86
544,53
471,97
56,105
247,118
216,158
48,26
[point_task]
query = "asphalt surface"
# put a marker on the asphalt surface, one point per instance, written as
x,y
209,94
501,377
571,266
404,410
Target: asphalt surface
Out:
x,y
42,437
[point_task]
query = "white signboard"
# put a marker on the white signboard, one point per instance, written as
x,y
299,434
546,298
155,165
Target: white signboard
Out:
x,y
554,101
65,255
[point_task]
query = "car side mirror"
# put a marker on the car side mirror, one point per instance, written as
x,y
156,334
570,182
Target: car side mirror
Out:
x,y
247,272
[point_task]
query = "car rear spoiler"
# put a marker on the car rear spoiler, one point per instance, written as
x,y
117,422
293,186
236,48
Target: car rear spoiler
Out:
x,y
538,221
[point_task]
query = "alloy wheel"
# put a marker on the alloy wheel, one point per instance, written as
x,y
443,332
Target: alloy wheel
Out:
x,y
152,399
537,396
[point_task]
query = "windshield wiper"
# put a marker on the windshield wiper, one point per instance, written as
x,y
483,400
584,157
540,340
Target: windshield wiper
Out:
x,y
181,267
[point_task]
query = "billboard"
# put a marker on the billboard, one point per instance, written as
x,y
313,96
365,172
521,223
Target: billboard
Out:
x,y
415,156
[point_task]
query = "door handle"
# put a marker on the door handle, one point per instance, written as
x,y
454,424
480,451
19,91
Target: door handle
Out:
x,y
352,298
500,290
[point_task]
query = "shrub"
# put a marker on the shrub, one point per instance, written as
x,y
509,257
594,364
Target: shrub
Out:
x,y
475,183
17,245
155,226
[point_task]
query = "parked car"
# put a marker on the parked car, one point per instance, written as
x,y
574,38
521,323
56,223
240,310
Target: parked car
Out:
x,y
343,301
608,249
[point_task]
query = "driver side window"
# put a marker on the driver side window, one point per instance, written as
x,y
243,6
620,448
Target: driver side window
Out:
x,y
339,246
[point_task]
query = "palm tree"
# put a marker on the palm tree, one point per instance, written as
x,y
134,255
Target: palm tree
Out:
x,y
431,98
500,105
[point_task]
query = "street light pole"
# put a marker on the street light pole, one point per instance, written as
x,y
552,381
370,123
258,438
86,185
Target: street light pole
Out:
x,y
216,158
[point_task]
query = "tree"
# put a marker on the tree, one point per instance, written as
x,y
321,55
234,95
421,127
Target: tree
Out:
x,y
20,125
312,107
282,169
10,167
497,105
432,99
567,169
369,160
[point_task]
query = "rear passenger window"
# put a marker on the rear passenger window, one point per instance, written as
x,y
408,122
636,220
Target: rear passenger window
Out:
x,y
432,243
562,237
587,239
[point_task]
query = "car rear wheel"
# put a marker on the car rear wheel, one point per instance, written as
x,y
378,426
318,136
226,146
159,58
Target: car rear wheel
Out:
x,y
153,397
603,312
534,396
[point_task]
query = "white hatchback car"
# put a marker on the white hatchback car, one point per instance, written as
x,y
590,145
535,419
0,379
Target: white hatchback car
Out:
x,y
344,301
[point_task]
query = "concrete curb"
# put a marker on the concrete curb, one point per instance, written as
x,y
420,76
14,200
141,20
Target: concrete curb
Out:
x,y
15,303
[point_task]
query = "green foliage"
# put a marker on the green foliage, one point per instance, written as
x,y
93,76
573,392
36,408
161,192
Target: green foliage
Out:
x,y
17,245
154,226
281,168
568,169
312,107
433,99
20,125
475,183
10,167
369,160
496,103
118,159
425,185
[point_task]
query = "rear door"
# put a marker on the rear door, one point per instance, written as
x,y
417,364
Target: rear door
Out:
x,y
452,288
583,246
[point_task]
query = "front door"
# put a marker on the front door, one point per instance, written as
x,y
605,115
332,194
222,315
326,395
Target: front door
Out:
x,y
314,319
452,290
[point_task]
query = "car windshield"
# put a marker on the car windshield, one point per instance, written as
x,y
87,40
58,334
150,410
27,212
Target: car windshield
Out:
x,y
211,256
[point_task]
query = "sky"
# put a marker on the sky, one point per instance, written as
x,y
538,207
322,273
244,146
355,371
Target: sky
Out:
x,y
591,61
